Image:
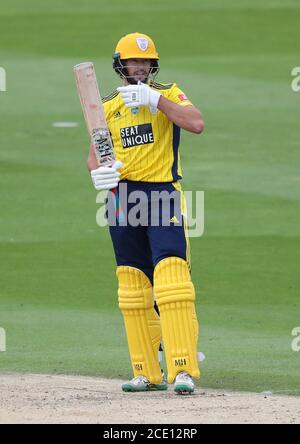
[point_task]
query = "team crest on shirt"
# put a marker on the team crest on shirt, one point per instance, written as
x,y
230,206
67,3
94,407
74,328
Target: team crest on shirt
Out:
x,y
142,43
134,111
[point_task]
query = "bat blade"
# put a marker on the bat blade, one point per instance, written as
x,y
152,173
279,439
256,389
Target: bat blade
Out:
x,y
94,113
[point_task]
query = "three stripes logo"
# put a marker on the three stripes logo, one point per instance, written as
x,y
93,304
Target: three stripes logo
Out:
x,y
174,220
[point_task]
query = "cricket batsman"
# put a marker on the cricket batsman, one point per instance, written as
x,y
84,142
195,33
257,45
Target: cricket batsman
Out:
x,y
156,295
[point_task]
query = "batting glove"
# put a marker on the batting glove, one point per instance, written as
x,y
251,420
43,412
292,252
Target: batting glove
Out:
x,y
139,95
106,178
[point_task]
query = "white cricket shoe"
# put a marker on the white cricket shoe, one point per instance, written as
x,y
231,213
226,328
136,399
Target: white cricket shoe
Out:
x,y
184,384
141,384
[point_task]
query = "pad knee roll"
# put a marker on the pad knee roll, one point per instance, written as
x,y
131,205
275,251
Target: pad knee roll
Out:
x,y
175,297
142,323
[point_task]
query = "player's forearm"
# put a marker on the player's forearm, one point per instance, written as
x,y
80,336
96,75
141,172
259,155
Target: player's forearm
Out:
x,y
186,117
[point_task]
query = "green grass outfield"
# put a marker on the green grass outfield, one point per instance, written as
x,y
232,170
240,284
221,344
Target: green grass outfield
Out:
x,y
58,300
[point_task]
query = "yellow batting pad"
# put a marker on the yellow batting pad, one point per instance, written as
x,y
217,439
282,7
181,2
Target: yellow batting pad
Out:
x,y
175,297
142,323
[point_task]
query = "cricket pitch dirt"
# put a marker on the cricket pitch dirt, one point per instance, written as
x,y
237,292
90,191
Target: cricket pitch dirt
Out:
x,y
76,399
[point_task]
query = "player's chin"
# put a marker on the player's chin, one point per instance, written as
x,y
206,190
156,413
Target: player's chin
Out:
x,y
142,79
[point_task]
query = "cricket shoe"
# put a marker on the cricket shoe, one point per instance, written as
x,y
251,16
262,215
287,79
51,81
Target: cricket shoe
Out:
x,y
142,384
184,384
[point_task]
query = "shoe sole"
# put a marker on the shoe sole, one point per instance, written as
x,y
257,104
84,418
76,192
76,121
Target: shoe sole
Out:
x,y
182,389
149,388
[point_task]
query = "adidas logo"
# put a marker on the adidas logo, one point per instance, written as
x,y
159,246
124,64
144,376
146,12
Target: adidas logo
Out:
x,y
117,115
174,219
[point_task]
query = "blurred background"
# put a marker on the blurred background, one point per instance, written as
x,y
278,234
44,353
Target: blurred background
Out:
x,y
58,291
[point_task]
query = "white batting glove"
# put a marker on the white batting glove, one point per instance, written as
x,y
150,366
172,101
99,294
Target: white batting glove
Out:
x,y
139,95
106,178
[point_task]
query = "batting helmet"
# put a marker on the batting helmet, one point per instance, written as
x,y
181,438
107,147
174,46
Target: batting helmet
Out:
x,y
135,46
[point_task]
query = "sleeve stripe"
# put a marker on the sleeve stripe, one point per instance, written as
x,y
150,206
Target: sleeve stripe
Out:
x,y
110,96
176,142
157,85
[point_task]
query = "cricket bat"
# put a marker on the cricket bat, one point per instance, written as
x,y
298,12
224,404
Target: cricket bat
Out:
x,y
94,113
